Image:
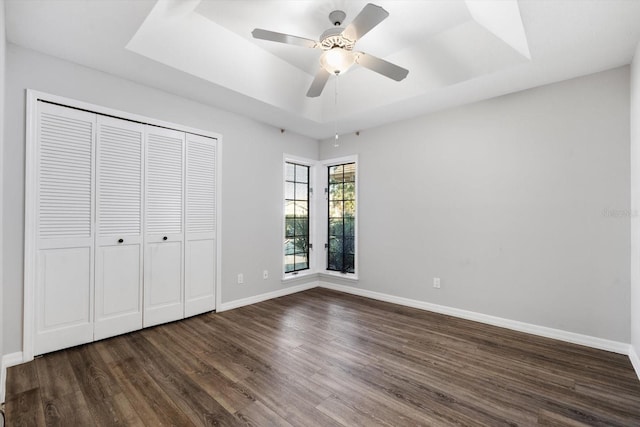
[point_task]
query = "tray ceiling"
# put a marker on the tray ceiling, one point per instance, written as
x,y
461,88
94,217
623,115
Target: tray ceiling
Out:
x,y
457,51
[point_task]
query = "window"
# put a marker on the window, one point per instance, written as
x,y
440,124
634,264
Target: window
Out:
x,y
296,208
341,248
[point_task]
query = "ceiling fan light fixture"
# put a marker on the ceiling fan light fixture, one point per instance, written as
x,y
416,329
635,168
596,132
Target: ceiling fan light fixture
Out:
x,y
337,44
337,60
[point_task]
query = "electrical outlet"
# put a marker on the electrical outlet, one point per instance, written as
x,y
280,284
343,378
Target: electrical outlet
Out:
x,y
436,282
265,274
240,279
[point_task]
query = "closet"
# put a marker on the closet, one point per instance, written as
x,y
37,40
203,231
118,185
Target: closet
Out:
x,y
125,225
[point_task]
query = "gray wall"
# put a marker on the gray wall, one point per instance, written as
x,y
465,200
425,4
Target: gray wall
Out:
x,y
635,202
520,204
251,184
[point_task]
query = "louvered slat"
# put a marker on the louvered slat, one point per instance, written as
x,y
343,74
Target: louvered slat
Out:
x,y
164,184
201,186
120,181
65,173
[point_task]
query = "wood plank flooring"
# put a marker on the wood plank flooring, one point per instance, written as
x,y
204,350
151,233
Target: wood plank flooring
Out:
x,y
323,358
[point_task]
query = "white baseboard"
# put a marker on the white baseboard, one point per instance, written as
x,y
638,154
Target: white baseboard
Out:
x,y
586,340
635,360
266,296
8,360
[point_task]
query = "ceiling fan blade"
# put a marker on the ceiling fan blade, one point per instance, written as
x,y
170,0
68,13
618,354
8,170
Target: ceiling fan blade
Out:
x,y
319,81
368,18
381,66
283,38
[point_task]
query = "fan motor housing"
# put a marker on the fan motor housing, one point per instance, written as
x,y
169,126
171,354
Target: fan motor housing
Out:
x,y
333,38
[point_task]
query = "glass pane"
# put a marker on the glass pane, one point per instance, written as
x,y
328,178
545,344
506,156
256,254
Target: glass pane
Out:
x,y
335,227
349,227
335,191
342,222
302,173
335,174
289,172
289,210
301,262
349,265
348,246
335,254
335,209
301,244
296,217
289,248
289,190
350,172
289,227
302,209
349,191
302,227
302,191
350,209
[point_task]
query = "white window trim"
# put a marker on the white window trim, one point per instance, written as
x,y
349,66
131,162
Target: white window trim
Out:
x,y
322,211
318,207
313,166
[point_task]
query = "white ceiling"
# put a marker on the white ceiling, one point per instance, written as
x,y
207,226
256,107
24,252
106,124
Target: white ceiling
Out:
x,y
457,51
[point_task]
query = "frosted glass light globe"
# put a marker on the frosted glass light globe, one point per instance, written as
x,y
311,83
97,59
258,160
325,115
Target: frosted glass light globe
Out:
x,y
337,60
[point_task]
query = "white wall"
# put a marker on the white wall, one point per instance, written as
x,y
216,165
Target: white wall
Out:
x,y
251,172
635,208
520,204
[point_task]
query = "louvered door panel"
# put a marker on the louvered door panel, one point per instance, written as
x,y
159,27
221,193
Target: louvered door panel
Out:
x,y
120,177
64,230
118,296
164,226
66,149
164,182
200,243
201,185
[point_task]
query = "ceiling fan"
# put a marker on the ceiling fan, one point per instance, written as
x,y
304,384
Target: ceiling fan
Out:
x,y
337,44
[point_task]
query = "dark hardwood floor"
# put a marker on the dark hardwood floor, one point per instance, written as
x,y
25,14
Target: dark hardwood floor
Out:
x,y
323,358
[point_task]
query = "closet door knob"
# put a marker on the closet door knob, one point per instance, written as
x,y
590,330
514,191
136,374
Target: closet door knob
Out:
x,y
120,240
164,238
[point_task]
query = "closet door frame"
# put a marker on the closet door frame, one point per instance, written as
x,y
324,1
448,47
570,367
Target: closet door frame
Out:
x,y
30,244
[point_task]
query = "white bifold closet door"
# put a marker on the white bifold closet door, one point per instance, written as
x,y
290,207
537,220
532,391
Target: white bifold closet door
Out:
x,y
119,179
64,227
200,239
164,226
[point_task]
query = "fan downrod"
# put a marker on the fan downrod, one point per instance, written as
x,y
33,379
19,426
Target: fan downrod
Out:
x,y
337,17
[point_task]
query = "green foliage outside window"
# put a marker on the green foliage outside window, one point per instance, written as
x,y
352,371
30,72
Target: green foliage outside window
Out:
x,y
296,238
342,218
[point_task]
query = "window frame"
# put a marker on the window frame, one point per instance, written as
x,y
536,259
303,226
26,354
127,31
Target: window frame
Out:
x,y
323,215
319,218
312,165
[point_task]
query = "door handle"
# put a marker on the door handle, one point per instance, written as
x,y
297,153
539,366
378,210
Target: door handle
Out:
x,y
120,240
164,238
